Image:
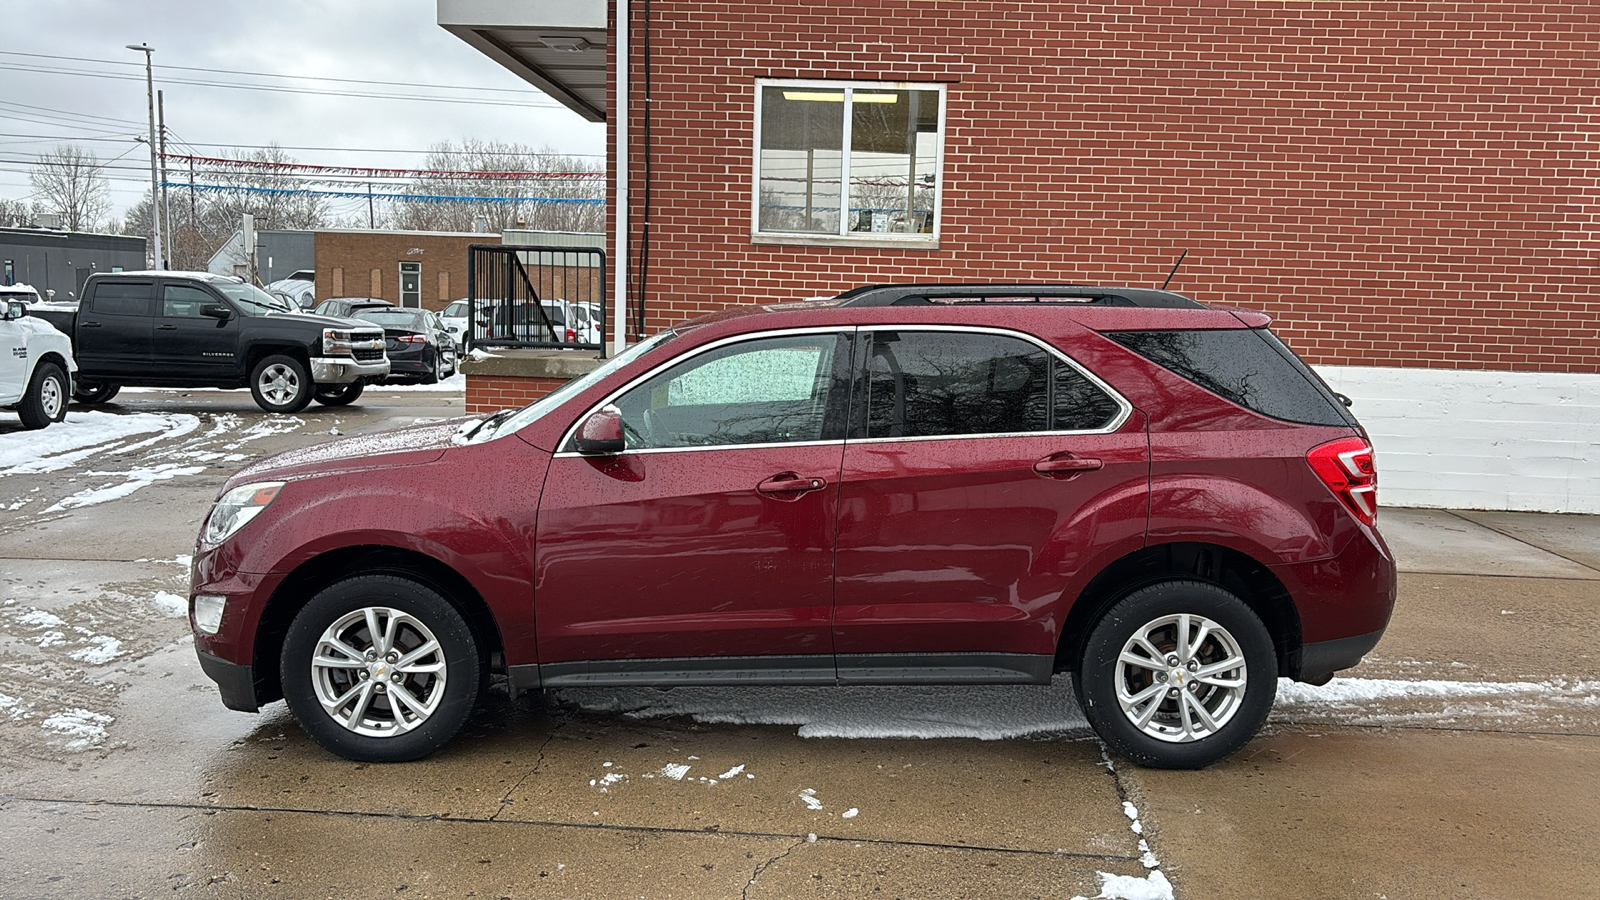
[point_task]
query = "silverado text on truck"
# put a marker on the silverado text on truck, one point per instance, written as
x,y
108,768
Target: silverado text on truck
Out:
x,y
195,329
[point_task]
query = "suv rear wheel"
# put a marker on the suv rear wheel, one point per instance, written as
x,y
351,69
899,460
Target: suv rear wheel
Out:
x,y
90,394
379,668
1177,675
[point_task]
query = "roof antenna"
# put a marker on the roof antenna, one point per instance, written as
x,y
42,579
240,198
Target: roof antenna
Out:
x,y
1174,270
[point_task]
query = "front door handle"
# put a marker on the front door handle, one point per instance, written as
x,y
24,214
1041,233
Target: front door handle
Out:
x,y
1066,466
166,328
790,486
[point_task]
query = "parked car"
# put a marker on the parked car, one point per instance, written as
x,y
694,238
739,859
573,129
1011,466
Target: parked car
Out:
x,y
345,307
299,289
585,321
915,484
36,366
418,346
196,329
454,317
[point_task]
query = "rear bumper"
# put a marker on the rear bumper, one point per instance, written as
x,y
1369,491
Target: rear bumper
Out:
x,y
344,370
1321,659
236,683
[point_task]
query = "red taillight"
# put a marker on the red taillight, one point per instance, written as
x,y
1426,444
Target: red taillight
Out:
x,y
572,336
1346,466
412,339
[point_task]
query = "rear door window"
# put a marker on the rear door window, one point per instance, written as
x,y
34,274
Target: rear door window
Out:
x,y
949,383
124,298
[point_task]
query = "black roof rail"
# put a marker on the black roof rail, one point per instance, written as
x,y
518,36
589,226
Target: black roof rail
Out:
x,y
1062,294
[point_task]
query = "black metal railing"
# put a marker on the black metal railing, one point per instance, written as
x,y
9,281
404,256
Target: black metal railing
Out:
x,y
536,297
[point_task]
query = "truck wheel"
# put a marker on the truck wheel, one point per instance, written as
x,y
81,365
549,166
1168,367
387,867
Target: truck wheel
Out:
x,y
379,668
91,394
1177,675
339,394
280,385
46,399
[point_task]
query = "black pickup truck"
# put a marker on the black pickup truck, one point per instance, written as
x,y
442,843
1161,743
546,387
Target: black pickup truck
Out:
x,y
195,329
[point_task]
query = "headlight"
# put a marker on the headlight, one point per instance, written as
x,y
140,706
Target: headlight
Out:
x,y
336,342
236,508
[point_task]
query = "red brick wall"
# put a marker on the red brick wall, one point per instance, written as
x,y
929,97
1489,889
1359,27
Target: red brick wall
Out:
x,y
487,393
1409,184
443,258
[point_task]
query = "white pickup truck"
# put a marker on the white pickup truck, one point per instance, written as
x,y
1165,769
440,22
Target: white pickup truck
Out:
x,y
36,366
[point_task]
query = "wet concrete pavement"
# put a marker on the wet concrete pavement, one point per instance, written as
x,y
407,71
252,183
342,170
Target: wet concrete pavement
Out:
x,y
122,775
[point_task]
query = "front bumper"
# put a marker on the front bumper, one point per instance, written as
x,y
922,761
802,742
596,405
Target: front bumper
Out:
x,y
345,370
236,683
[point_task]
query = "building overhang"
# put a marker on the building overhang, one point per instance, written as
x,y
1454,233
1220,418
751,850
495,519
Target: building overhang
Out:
x,y
558,46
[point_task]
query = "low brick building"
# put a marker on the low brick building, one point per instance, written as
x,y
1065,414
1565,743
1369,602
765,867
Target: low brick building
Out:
x,y
407,268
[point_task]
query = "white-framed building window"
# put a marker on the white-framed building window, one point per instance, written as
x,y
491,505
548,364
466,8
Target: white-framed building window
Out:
x,y
840,161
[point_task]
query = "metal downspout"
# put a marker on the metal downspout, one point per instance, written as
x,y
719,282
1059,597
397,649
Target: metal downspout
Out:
x,y
619,258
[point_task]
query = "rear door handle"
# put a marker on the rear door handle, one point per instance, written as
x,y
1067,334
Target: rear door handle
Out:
x,y
166,328
790,485
1066,465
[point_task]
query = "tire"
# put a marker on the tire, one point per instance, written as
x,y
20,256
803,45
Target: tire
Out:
x,y
432,376
280,385
339,394
442,684
1154,726
46,399
93,394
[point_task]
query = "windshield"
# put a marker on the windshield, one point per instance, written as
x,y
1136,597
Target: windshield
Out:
x,y
252,297
495,427
456,310
392,318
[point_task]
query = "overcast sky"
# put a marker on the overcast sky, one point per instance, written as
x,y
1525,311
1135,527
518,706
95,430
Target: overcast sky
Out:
x,y
397,42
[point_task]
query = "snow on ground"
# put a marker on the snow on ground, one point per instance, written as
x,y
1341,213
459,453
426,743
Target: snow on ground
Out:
x,y
456,383
82,435
133,479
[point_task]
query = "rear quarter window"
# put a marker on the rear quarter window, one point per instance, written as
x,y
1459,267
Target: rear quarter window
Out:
x,y
1248,366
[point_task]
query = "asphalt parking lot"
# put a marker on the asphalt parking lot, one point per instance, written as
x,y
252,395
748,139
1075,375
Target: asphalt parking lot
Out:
x,y
1457,761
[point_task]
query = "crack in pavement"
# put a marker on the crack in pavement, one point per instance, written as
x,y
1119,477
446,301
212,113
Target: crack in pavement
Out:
x,y
446,818
1522,540
506,800
745,894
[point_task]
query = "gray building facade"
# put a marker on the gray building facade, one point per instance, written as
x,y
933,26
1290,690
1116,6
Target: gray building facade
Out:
x,y
57,263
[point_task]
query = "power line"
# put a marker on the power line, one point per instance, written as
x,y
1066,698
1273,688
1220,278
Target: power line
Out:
x,y
391,197
197,144
44,70
210,70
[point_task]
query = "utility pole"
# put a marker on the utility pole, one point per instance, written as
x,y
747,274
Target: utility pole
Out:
x,y
166,208
192,215
155,199
372,220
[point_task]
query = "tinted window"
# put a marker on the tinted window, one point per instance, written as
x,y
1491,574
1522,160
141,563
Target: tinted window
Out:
x,y
184,301
933,383
388,317
1248,366
768,391
124,298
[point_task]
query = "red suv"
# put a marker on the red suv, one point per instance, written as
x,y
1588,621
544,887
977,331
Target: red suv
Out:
x,y
907,484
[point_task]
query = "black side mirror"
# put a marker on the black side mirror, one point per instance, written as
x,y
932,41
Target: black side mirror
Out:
x,y
216,311
601,433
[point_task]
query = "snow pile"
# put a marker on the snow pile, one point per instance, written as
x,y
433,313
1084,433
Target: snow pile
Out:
x,y
1367,690
85,728
1154,886
456,383
101,650
136,478
170,605
81,436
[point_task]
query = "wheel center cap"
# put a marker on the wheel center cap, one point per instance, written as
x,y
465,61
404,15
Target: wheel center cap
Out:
x,y
378,669
1176,675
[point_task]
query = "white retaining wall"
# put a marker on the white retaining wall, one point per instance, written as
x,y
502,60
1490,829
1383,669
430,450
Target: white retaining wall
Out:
x,y
1479,440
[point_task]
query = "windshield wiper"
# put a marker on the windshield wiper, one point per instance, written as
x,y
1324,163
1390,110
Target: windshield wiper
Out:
x,y
489,423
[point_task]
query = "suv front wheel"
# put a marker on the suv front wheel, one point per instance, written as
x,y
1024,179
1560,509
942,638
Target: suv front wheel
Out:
x,y
1177,675
379,668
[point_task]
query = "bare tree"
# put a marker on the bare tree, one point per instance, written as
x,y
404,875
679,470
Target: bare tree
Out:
x,y
556,193
14,213
69,182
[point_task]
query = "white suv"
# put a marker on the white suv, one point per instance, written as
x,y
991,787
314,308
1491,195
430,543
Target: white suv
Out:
x,y
36,366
